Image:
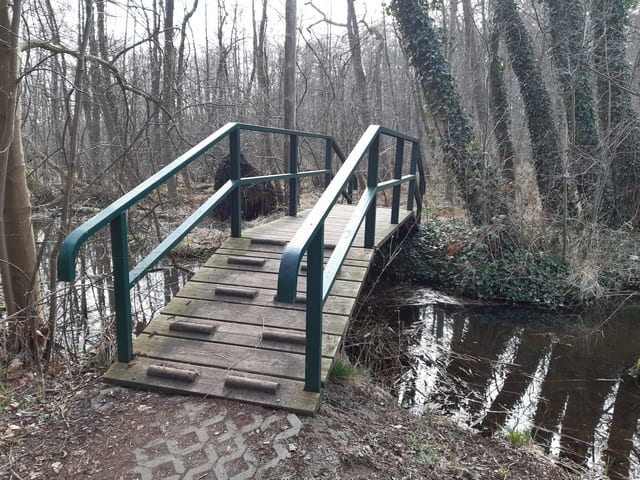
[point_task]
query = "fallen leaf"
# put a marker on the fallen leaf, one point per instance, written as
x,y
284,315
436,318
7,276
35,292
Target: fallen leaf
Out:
x,y
15,366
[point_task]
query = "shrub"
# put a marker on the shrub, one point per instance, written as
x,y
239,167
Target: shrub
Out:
x,y
486,263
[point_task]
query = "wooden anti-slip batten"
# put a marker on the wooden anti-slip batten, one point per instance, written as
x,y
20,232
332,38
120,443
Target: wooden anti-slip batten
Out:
x,y
184,326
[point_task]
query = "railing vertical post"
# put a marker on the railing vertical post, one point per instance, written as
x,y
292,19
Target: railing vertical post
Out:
x,y
313,351
121,287
372,181
415,153
293,182
397,174
235,174
328,153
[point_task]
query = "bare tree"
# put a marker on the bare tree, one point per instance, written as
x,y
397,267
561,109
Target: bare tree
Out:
x,y
618,120
18,256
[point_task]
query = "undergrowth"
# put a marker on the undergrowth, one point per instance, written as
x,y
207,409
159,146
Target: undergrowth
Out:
x,y
498,262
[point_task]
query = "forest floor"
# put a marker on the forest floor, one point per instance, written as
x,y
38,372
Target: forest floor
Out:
x,y
75,426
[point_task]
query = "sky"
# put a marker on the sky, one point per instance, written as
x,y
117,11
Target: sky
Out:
x,y
336,10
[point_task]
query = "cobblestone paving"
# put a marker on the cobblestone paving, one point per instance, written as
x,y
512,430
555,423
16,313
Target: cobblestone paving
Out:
x,y
214,441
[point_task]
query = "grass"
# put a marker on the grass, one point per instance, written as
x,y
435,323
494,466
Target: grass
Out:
x,y
519,438
342,370
504,473
425,454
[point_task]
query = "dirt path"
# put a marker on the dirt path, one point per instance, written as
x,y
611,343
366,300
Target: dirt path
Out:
x,y
83,429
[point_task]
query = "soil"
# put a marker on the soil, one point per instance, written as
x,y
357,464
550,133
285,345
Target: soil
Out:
x,y
68,427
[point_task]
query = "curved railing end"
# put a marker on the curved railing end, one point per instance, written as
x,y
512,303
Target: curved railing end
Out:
x,y
66,263
288,275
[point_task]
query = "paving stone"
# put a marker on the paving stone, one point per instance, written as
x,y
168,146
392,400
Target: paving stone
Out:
x,y
214,445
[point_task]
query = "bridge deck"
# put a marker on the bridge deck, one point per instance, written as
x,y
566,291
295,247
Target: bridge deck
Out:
x,y
224,326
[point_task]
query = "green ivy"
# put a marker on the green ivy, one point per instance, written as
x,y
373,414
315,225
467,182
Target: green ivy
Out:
x,y
422,42
483,263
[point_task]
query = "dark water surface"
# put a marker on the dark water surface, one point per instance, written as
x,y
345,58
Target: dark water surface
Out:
x,y
562,378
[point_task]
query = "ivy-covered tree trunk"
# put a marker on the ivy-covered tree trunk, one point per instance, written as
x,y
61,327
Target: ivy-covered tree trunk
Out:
x,y
477,183
542,129
500,113
618,121
568,53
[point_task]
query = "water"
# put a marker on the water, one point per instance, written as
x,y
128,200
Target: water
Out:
x,y
563,378
84,310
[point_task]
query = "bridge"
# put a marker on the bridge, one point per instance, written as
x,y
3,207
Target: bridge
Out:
x,y
263,319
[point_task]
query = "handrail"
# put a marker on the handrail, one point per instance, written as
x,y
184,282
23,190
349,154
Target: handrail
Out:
x,y
115,215
309,239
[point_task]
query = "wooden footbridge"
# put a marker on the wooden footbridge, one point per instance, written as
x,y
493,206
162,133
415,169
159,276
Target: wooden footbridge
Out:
x,y
262,321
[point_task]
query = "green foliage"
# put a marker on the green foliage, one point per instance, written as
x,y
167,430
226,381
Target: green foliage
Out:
x,y
545,141
423,45
6,397
519,438
485,263
341,370
570,57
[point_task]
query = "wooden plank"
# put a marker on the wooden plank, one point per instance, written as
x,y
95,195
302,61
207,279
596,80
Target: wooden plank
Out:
x,y
238,334
251,314
382,232
362,261
244,244
356,274
339,305
253,279
290,394
242,359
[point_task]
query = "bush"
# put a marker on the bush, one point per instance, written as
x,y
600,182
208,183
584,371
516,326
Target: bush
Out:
x,y
486,263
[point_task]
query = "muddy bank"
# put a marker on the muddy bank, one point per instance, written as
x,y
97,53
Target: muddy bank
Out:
x,y
64,429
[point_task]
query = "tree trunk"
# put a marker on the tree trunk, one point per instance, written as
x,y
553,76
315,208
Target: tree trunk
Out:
x,y
73,119
289,73
500,113
477,183
542,129
18,258
358,70
617,118
567,28
261,68
168,97
475,68
180,76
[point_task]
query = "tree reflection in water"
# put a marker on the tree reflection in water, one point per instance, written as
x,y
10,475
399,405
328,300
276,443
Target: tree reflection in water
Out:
x,y
564,377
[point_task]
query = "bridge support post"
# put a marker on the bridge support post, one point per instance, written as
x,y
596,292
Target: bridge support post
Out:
x,y
121,287
313,350
328,153
397,174
415,154
235,174
372,183
293,182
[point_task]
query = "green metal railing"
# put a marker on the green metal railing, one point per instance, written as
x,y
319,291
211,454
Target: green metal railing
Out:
x,y
115,215
309,238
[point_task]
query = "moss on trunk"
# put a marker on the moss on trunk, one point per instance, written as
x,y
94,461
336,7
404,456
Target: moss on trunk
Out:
x,y
476,181
542,129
